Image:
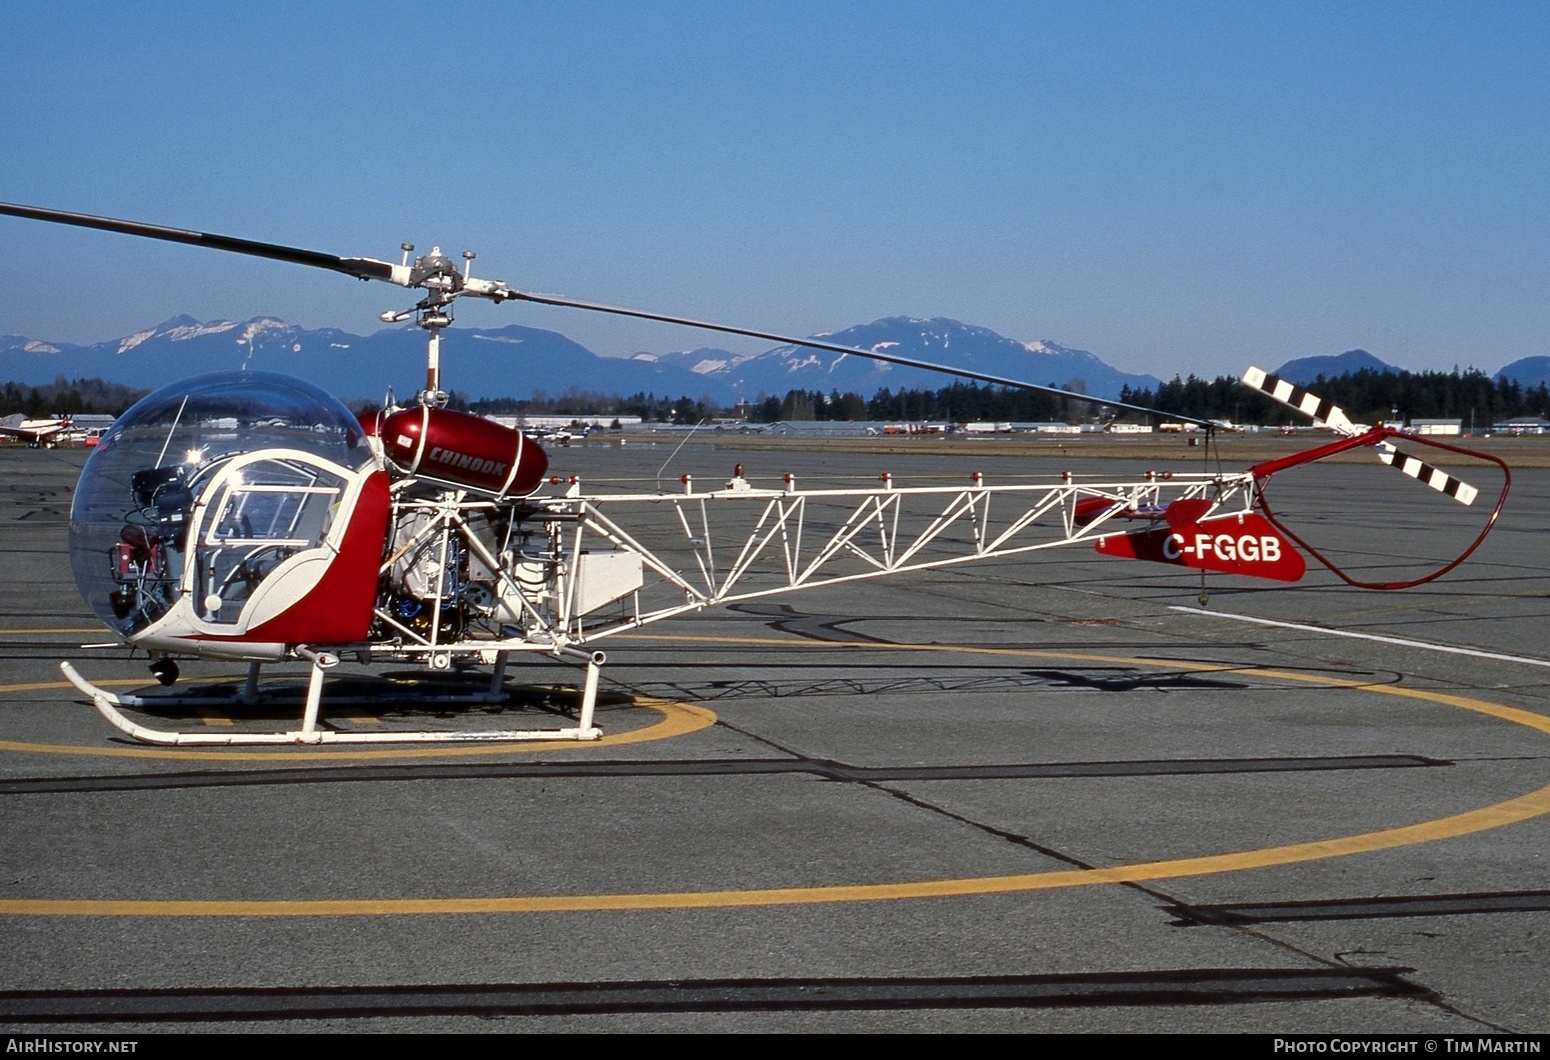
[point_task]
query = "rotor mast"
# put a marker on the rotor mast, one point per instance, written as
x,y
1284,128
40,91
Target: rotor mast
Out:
x,y
435,274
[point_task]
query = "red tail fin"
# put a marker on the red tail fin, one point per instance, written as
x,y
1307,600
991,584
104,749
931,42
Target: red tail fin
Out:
x,y
1241,543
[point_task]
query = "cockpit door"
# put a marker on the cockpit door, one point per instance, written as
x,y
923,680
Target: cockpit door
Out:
x,y
268,529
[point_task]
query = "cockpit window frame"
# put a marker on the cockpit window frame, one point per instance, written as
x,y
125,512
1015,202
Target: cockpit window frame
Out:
x,y
259,558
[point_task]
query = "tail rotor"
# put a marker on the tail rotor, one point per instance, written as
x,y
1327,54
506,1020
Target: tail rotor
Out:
x,y
1360,435
1332,416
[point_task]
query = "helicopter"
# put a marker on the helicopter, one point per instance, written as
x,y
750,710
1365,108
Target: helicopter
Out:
x,y
251,517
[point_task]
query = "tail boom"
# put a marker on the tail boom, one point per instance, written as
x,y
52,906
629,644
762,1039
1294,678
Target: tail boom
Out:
x,y
1242,543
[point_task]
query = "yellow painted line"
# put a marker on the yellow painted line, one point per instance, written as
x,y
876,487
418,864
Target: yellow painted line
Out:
x,y
210,717
1523,808
1479,706
1512,811
98,630
678,719
951,649
43,686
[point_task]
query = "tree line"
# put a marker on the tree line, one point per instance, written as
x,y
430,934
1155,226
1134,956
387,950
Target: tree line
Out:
x,y
1366,396
958,403
68,397
650,407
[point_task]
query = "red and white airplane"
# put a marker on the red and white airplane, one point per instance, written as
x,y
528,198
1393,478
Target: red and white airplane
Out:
x,y
37,433
249,516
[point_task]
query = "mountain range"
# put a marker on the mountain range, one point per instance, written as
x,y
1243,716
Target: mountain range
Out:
x,y
1305,370
1530,372
521,362
516,361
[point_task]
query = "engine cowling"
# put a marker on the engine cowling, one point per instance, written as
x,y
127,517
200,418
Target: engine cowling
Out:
x,y
460,449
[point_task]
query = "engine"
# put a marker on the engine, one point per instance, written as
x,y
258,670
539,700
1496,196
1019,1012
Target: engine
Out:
x,y
442,576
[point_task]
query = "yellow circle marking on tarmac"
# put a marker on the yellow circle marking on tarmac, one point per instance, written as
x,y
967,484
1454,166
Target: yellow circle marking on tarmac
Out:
x,y
678,719
1523,808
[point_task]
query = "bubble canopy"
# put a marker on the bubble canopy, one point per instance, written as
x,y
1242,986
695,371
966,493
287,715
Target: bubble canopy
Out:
x,y
129,521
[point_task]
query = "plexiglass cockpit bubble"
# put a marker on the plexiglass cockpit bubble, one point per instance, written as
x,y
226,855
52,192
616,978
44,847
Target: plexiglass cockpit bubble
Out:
x,y
179,458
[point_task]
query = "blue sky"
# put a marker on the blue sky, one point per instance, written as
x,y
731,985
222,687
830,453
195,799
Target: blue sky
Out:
x,y
1183,187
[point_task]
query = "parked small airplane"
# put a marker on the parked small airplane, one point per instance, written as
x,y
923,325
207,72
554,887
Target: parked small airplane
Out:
x,y
38,433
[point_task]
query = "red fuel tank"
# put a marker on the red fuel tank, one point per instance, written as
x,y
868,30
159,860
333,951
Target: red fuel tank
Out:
x,y
461,450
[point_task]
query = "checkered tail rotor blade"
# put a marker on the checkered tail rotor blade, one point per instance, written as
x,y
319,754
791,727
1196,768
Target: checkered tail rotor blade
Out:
x,y
1310,404
1425,473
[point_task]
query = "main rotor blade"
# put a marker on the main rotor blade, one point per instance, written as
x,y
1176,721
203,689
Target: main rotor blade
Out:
x,y
907,362
364,268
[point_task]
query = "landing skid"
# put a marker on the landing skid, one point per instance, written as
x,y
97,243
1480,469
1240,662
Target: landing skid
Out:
x,y
107,704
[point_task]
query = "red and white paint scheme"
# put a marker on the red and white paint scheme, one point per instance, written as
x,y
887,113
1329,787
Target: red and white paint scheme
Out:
x,y
1237,543
250,516
457,449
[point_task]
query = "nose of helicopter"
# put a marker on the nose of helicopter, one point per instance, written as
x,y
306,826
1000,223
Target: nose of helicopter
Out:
x,y
136,495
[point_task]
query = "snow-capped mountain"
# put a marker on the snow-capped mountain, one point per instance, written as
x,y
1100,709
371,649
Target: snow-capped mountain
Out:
x,y
701,361
176,349
516,361
512,361
938,339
